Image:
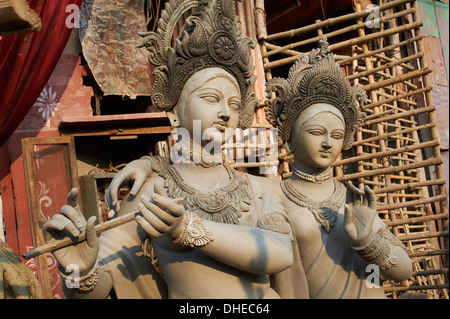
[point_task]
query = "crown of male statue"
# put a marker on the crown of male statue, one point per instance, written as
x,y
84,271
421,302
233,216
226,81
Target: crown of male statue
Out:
x,y
211,37
315,78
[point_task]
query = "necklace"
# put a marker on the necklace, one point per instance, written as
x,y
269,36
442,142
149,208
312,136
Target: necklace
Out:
x,y
186,152
325,211
316,179
224,205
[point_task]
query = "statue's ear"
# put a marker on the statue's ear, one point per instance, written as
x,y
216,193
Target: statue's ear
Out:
x,y
173,118
288,146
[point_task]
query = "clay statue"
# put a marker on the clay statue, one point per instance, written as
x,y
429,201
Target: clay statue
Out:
x,y
204,229
17,281
343,244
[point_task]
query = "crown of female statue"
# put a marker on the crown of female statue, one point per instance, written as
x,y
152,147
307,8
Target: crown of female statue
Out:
x,y
211,37
315,78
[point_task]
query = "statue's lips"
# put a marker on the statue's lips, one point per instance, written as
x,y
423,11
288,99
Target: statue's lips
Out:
x,y
325,153
220,125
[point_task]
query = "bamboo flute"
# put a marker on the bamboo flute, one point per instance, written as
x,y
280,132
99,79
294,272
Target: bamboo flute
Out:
x,y
113,223
52,246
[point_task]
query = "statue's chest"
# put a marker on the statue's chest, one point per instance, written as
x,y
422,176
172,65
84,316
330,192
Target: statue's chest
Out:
x,y
309,231
226,204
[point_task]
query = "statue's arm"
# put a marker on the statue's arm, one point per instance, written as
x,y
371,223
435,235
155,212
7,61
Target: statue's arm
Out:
x,y
138,171
371,238
78,264
101,289
387,252
255,250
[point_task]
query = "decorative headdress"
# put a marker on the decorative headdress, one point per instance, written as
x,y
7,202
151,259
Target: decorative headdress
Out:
x,y
211,37
315,78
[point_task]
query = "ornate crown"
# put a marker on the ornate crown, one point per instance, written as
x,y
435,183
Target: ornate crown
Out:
x,y
211,37
315,78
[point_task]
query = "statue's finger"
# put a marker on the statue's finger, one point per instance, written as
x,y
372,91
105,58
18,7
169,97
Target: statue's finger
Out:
x,y
173,206
72,197
163,215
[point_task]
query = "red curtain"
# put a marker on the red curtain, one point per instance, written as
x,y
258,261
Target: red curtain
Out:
x,y
28,60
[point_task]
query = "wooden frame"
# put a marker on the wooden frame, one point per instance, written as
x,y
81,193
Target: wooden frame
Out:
x,y
67,146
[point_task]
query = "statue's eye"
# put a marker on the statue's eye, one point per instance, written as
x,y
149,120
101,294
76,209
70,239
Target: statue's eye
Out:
x,y
337,135
211,98
316,132
234,104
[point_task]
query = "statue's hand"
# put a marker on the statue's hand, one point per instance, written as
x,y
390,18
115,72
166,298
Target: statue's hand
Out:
x,y
161,216
137,170
360,212
70,222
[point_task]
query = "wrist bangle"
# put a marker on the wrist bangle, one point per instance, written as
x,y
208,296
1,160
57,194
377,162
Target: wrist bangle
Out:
x,y
194,233
84,283
378,251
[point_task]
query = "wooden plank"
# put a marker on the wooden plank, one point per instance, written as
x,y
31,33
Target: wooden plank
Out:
x,y
121,132
33,206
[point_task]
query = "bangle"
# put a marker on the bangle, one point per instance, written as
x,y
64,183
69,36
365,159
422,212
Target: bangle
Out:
x,y
195,233
378,251
90,282
84,283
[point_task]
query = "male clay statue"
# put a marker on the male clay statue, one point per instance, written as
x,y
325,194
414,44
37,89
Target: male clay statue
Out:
x,y
340,239
204,230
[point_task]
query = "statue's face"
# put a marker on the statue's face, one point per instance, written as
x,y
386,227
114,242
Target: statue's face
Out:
x,y
318,141
210,103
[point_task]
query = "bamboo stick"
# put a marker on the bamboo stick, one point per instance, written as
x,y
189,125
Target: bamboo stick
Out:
x,y
397,79
333,21
414,220
385,58
386,153
335,33
424,287
430,272
381,50
379,128
347,43
426,235
385,66
433,199
429,253
391,169
398,97
401,115
393,134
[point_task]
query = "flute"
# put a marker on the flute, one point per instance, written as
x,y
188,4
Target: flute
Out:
x,y
49,247
52,246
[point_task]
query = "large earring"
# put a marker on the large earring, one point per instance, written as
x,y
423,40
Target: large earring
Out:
x,y
173,118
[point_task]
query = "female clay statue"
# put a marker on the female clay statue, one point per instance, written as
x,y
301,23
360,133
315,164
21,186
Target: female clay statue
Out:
x,y
229,233
343,246
340,238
